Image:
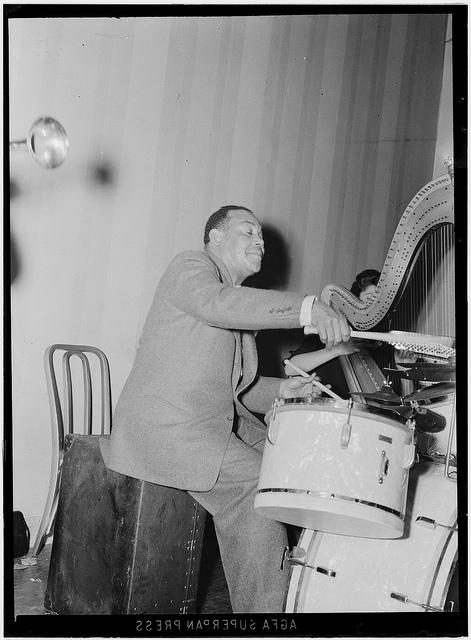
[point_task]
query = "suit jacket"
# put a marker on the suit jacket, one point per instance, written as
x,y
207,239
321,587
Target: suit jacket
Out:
x,y
194,375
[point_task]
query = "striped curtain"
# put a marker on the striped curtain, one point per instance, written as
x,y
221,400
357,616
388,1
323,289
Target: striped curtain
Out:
x,y
325,125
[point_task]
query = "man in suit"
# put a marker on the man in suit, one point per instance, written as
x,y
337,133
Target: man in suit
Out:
x,y
185,416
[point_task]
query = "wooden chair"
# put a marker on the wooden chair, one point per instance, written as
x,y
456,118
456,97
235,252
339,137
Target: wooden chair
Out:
x,y
63,406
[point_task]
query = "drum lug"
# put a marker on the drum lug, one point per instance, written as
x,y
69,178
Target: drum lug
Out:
x,y
294,557
272,432
273,425
407,600
409,456
346,434
347,428
423,521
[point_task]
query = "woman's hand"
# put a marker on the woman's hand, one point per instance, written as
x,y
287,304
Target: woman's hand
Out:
x,y
347,348
403,355
299,387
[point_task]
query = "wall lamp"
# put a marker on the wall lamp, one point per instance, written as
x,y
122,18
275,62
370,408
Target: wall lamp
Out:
x,y
47,142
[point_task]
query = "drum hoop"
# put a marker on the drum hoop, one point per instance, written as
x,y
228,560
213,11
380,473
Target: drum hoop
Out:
x,y
336,496
438,567
309,401
389,415
327,404
315,539
442,401
451,575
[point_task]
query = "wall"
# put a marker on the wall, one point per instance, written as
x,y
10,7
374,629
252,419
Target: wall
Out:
x,y
324,125
444,145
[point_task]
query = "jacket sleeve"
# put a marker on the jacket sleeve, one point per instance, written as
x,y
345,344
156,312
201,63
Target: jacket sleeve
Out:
x,y
197,289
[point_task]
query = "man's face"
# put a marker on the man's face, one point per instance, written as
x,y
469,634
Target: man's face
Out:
x,y
241,246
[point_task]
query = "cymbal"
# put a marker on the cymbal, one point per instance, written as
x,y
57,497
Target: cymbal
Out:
x,y
426,421
428,365
427,372
385,394
434,391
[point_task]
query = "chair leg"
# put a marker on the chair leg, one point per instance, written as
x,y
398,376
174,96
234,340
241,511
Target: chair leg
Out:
x,y
47,521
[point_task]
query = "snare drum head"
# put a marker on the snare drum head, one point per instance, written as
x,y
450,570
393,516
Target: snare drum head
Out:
x,y
301,403
331,404
310,401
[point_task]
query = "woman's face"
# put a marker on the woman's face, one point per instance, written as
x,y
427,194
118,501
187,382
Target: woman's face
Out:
x,y
368,293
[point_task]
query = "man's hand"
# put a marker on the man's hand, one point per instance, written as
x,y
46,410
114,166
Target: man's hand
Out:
x,y
331,325
299,387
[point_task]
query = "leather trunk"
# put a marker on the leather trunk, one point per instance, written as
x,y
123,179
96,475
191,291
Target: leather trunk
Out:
x,y
121,545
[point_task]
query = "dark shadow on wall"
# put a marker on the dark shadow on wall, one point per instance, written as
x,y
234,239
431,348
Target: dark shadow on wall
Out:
x,y
15,261
276,263
274,274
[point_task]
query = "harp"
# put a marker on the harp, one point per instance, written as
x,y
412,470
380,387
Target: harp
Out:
x,y
415,293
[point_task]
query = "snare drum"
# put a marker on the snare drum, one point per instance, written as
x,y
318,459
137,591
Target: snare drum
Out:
x,y
416,573
335,466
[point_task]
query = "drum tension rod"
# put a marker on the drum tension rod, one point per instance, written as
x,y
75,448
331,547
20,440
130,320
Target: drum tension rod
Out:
x,y
423,521
406,600
294,558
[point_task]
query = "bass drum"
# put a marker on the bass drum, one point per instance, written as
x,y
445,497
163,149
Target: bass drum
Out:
x,y
418,572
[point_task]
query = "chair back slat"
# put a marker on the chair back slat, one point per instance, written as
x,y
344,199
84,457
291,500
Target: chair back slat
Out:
x,y
62,415
62,409
87,392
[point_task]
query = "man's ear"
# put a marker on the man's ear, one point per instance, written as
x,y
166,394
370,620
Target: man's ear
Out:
x,y
215,235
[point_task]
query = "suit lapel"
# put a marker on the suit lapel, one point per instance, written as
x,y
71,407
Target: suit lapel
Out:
x,y
237,368
245,359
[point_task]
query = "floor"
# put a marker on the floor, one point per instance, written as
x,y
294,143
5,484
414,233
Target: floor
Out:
x,y
30,582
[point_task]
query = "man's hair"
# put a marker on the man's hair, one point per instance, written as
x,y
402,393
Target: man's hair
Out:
x,y
219,219
363,280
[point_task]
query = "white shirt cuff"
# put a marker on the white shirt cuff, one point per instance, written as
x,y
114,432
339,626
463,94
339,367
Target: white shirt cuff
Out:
x,y
306,311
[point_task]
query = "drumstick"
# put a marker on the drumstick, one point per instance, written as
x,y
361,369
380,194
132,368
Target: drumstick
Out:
x,y
318,384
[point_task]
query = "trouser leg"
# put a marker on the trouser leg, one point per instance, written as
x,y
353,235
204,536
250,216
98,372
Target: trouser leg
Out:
x,y
251,545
